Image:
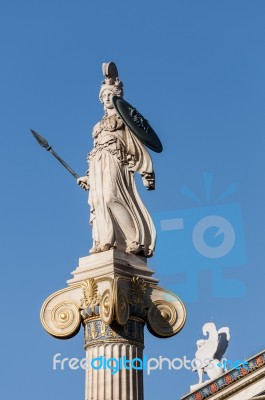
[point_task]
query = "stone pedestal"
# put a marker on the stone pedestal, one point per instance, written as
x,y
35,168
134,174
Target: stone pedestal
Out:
x,y
112,263
113,295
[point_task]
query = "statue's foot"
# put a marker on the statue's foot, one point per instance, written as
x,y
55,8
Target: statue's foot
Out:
x,y
133,247
93,250
106,247
99,249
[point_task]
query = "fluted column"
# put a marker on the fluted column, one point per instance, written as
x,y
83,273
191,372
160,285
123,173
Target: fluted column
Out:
x,y
118,382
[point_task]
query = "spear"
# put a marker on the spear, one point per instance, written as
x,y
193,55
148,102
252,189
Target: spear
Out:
x,y
44,143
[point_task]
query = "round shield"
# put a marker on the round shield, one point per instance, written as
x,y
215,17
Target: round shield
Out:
x,y
137,124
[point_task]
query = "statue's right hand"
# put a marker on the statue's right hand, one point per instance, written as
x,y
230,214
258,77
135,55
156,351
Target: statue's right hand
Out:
x,y
83,182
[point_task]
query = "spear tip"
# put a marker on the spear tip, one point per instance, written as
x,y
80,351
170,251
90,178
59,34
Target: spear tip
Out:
x,y
41,140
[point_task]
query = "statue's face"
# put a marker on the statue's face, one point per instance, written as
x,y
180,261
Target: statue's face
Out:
x,y
107,98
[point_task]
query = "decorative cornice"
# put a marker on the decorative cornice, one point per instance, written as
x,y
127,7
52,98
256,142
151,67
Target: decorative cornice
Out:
x,y
229,378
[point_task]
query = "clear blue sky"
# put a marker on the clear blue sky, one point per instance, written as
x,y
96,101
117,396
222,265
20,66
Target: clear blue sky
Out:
x,y
195,69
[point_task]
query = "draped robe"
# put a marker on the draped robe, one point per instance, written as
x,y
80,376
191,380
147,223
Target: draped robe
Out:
x,y
118,216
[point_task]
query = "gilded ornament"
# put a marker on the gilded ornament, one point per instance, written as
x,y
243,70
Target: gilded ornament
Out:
x,y
162,319
138,289
63,320
97,333
138,299
122,308
106,307
90,293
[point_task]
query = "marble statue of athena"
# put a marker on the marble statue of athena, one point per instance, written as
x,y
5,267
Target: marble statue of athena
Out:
x,y
118,216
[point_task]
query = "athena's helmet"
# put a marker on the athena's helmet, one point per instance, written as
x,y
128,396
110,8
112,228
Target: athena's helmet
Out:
x,y
111,81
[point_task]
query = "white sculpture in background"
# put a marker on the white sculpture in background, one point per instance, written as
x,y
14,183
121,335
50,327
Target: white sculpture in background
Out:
x,y
210,352
118,217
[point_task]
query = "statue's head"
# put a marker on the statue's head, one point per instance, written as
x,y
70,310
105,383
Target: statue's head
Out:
x,y
111,86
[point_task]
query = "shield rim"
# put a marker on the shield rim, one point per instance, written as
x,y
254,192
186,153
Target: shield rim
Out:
x,y
153,136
